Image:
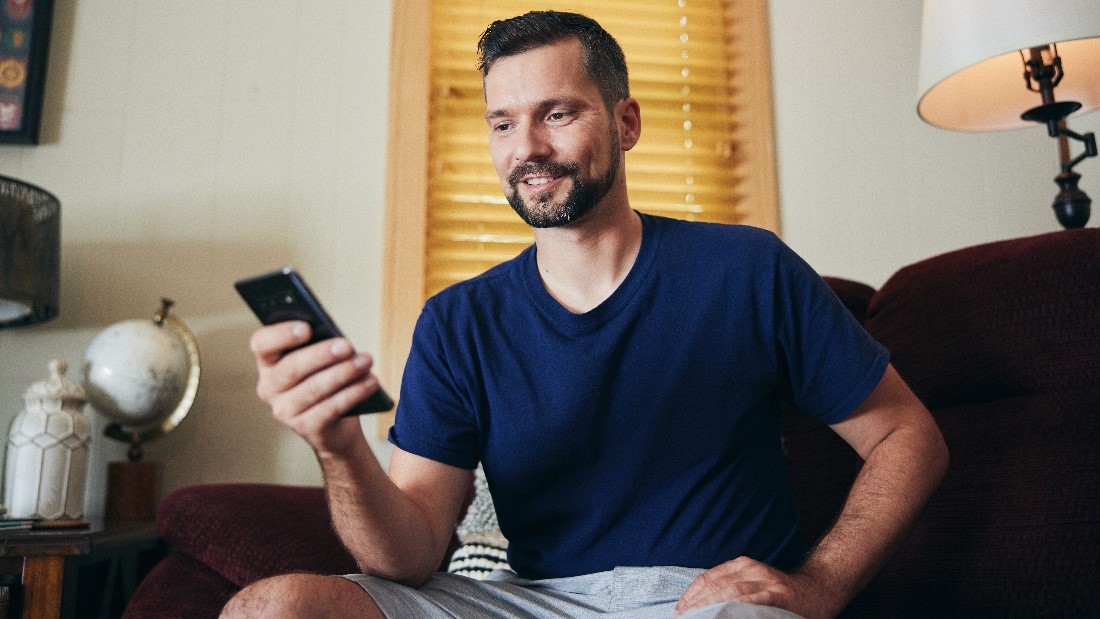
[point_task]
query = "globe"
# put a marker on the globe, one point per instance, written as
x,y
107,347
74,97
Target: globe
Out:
x,y
140,373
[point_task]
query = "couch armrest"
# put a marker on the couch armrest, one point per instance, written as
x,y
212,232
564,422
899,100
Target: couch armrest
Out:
x,y
246,532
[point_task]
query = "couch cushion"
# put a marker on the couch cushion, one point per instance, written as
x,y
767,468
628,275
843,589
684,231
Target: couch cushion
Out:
x,y
180,587
250,531
996,320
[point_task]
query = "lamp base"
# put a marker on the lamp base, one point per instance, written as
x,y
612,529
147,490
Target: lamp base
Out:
x,y
1071,206
132,491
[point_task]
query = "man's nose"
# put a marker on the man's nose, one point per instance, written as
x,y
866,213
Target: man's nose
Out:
x,y
532,142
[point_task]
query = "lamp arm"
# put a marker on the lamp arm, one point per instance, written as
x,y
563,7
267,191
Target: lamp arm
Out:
x,y
1089,139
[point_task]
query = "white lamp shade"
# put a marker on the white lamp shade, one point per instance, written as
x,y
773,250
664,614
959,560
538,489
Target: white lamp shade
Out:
x,y
971,72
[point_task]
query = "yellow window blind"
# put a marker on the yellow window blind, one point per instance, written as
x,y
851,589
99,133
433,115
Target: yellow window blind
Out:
x,y
681,57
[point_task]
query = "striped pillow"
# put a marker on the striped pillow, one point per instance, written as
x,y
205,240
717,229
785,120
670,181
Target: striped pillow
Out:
x,y
484,548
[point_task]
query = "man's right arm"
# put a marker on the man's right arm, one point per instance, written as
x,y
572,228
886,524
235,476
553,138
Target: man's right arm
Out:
x,y
396,526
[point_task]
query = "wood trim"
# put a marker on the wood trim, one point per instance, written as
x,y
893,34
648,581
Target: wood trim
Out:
x,y
749,31
406,192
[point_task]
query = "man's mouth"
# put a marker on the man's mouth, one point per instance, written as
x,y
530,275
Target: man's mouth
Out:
x,y
539,174
539,185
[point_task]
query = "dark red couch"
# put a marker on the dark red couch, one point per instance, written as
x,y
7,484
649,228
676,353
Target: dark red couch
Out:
x,y
1001,341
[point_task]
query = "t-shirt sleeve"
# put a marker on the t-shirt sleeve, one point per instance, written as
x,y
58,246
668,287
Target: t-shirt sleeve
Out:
x,y
832,364
434,418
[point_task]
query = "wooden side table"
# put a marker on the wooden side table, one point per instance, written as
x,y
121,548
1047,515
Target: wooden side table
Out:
x,y
79,572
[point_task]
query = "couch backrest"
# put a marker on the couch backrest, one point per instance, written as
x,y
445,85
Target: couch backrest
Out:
x,y
997,320
1002,342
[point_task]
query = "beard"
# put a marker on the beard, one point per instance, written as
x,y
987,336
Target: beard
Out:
x,y
583,196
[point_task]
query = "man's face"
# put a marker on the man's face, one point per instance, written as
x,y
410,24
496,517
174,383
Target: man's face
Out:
x,y
555,147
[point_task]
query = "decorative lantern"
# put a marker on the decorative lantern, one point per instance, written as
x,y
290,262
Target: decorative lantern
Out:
x,y
47,459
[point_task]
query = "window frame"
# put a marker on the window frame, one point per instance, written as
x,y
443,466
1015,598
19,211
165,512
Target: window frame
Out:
x,y
403,262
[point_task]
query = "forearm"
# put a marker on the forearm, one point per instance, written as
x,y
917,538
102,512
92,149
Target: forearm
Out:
x,y
898,477
383,528
396,526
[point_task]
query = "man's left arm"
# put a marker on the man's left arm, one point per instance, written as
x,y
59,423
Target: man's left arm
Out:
x,y
904,460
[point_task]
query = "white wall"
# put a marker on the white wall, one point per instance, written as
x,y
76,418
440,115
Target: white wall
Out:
x,y
867,187
192,143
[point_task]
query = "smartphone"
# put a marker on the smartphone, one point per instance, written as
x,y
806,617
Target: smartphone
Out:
x,y
283,295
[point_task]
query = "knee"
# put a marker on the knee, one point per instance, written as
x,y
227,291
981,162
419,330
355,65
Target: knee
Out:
x,y
278,596
300,595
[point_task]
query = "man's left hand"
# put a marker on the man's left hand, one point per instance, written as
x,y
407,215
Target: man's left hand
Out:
x,y
747,580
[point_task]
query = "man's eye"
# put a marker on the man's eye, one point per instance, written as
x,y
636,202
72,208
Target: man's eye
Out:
x,y
502,127
557,116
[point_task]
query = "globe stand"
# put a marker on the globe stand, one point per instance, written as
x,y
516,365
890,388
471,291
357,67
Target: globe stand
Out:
x,y
133,486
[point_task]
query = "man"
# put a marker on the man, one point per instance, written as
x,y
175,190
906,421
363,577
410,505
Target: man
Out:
x,y
619,381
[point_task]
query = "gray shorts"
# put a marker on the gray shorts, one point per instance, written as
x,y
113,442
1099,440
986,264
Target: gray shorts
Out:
x,y
624,593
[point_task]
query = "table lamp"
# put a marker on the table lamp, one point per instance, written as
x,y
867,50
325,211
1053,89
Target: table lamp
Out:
x,y
30,249
989,65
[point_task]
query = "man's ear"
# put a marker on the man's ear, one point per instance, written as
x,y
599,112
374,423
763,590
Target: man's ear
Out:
x,y
629,116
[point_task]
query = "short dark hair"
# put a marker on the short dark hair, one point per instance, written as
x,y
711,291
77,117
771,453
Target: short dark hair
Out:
x,y
603,58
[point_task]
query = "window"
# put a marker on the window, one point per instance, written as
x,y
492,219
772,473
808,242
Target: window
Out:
x,y
699,69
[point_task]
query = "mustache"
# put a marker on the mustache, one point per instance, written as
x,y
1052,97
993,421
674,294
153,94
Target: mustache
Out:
x,y
541,169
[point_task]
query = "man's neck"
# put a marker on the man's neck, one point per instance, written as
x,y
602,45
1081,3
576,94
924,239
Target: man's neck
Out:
x,y
582,264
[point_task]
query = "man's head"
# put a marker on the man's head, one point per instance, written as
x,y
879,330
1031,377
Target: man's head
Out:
x,y
603,58
559,119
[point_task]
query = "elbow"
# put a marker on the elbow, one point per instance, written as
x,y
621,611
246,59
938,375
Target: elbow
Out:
x,y
415,580
407,575
415,575
408,566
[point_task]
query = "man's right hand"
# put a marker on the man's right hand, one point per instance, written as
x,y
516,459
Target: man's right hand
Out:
x,y
397,526
309,389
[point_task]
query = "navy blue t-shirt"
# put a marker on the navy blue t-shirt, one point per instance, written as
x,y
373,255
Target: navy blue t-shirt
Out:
x,y
645,431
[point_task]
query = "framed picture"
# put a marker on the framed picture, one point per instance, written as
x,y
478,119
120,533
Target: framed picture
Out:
x,y
24,47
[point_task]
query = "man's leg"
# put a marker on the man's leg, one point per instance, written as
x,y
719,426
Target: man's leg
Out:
x,y
302,595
